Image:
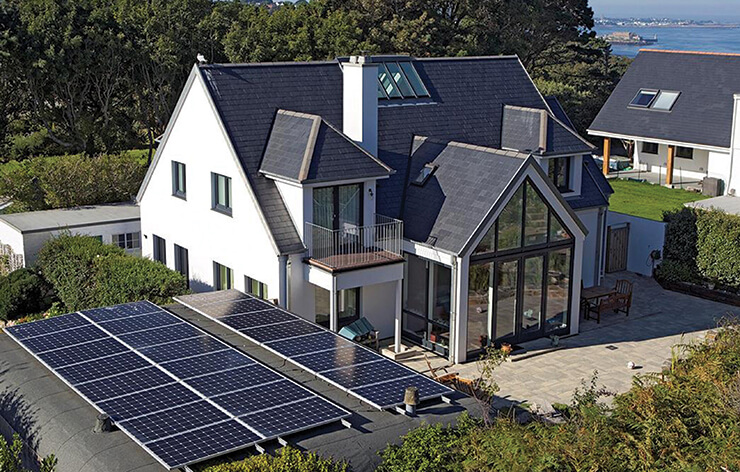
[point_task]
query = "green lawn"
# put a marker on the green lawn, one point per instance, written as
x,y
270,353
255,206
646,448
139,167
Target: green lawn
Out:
x,y
647,200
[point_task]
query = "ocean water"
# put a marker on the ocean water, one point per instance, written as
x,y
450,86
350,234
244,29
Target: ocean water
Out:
x,y
679,38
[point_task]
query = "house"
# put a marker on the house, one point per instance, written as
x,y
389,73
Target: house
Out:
x,y
444,200
23,234
680,110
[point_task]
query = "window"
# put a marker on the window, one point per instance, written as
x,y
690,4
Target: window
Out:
x,y
181,262
665,100
558,169
127,240
424,174
255,287
348,306
221,193
427,289
650,148
684,152
644,98
338,207
535,218
399,80
223,277
178,179
160,249
99,237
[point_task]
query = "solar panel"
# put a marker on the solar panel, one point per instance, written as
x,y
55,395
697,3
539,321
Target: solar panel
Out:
x,y
355,369
176,390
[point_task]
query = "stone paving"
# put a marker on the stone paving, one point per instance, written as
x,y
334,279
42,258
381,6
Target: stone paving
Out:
x,y
659,319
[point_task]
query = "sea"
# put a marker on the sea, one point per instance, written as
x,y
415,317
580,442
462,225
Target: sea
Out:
x,y
686,38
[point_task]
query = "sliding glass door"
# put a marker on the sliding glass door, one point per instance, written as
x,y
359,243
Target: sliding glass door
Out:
x,y
338,207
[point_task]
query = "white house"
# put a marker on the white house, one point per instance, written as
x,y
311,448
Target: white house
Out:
x,y
680,109
23,234
445,200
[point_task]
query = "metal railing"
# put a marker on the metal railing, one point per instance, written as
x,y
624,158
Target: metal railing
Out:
x,y
354,245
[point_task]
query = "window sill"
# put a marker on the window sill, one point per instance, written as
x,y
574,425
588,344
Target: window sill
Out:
x,y
181,196
222,210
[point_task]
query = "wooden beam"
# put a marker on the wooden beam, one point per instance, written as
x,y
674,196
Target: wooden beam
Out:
x,y
669,166
607,154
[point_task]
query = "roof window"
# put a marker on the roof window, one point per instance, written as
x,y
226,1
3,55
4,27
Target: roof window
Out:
x,y
424,174
399,79
662,100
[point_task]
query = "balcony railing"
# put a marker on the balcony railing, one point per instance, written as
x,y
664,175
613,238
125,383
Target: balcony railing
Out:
x,y
355,246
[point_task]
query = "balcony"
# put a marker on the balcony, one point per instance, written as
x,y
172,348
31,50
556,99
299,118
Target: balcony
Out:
x,y
355,247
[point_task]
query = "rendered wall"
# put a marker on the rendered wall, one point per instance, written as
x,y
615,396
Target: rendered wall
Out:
x,y
704,164
13,238
644,237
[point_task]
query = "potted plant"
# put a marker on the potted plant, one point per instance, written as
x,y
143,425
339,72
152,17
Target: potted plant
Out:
x,y
506,348
554,340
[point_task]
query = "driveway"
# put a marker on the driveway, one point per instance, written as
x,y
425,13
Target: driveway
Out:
x,y
659,319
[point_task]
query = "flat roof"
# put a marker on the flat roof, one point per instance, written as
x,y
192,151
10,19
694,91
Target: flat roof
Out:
x,y
727,203
60,422
92,215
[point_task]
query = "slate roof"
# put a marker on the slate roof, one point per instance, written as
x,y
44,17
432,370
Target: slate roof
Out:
x,y
539,132
595,189
468,181
702,113
468,96
558,111
305,148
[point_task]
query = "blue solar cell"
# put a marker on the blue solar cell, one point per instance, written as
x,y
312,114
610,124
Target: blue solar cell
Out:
x,y
258,318
192,446
294,417
173,421
208,363
358,375
140,322
82,353
337,358
70,338
47,326
120,311
261,397
237,379
391,393
155,336
315,342
282,331
124,384
186,348
148,401
105,367
244,305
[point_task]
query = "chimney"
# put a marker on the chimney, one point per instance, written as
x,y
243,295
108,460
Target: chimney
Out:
x,y
360,102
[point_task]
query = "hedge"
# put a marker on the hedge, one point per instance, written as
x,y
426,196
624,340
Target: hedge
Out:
x,y
286,460
23,292
86,273
701,245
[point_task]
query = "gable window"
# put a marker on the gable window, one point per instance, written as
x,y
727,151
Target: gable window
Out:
x,y
160,249
223,277
221,193
255,287
178,179
127,240
650,148
684,152
182,263
558,169
644,98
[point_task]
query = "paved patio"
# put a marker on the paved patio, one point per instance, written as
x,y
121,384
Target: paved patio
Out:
x,y
659,319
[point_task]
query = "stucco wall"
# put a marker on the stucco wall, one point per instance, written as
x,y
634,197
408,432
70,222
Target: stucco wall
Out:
x,y
704,164
592,264
645,236
12,237
378,305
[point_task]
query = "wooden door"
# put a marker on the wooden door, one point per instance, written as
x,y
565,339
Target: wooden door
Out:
x,y
616,248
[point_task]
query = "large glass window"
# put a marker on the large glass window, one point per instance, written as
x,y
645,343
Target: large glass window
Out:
x,y
427,303
535,222
558,169
510,223
479,305
338,207
348,306
532,294
507,275
558,289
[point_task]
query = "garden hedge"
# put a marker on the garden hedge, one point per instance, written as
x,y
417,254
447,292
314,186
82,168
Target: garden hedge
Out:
x,y
86,273
286,460
23,292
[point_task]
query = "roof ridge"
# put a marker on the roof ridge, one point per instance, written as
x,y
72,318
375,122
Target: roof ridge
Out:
x,y
475,147
698,53
217,66
354,143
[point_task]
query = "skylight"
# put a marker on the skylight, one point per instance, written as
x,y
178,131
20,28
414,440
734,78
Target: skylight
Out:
x,y
424,174
662,100
399,80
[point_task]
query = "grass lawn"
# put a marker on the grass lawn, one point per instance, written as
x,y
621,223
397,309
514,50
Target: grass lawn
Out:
x,y
647,200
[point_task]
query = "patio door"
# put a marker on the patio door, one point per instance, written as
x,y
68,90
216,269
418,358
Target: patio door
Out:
x,y
338,207
519,301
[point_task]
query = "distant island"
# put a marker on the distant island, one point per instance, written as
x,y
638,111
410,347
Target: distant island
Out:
x,y
660,23
629,38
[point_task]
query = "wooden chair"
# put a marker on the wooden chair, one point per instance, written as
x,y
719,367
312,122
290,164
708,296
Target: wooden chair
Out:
x,y
624,287
619,302
446,378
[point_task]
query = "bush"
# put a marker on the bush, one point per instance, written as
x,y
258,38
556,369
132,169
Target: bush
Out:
x,y
677,271
86,273
287,460
11,453
23,292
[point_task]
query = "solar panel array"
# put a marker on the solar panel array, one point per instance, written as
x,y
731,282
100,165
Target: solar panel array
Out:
x,y
353,368
180,393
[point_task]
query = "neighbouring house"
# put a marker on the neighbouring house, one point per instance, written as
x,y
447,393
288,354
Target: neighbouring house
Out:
x,y
23,234
444,200
680,110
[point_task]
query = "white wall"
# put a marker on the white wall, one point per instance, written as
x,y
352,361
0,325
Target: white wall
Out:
x,y
240,241
592,246
734,182
13,238
704,164
645,236
378,305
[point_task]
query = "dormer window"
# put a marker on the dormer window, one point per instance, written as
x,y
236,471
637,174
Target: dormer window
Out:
x,y
424,174
399,80
661,100
558,169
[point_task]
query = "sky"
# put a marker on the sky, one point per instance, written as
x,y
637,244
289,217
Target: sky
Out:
x,y
719,10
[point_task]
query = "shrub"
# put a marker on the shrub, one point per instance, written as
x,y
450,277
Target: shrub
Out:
x,y
87,273
287,460
11,453
23,292
672,270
